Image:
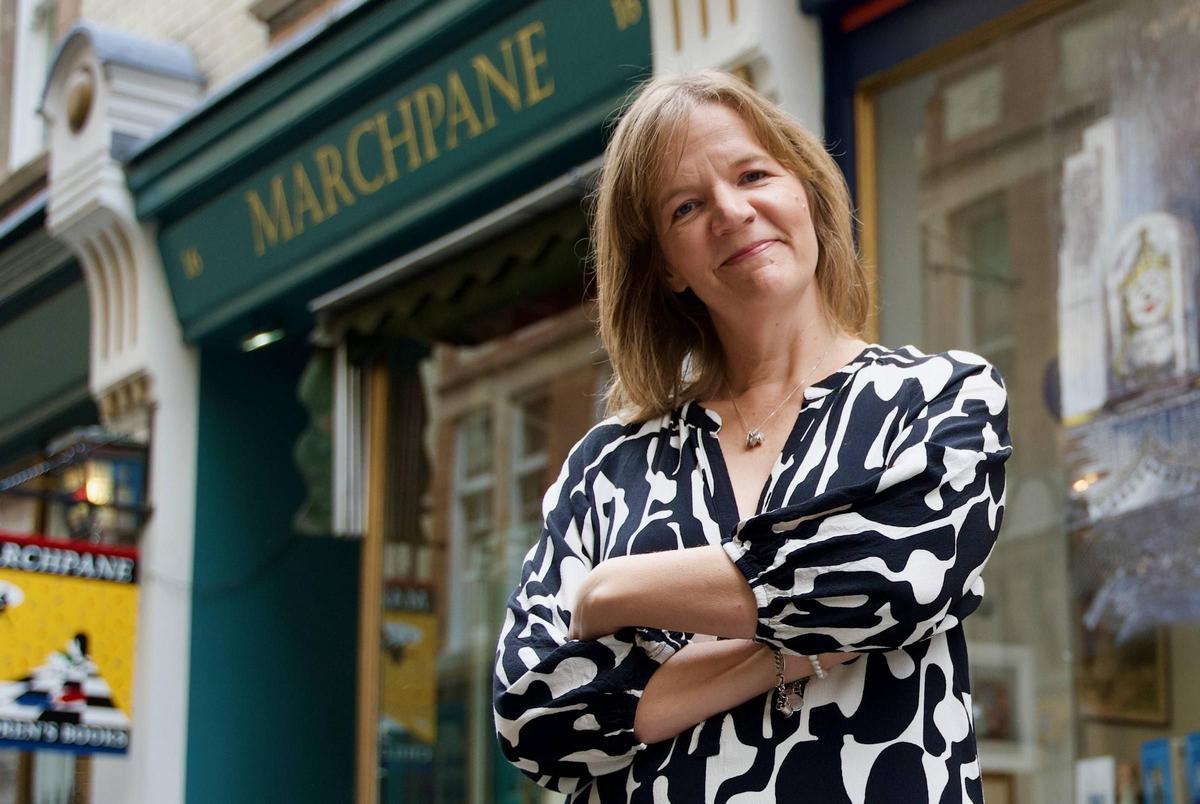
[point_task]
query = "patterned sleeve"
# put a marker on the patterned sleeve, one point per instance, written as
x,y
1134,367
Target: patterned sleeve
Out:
x,y
897,558
564,708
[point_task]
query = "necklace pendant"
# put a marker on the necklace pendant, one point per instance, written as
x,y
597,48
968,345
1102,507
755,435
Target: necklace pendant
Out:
x,y
753,438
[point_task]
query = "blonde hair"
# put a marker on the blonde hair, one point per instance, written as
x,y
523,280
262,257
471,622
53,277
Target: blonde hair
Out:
x,y
663,346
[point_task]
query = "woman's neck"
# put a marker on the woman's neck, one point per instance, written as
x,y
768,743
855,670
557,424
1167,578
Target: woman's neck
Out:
x,y
768,359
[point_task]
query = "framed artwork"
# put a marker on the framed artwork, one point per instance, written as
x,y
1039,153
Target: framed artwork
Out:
x,y
1123,682
1002,699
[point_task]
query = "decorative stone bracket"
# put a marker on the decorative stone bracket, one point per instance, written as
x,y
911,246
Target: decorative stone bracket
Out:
x,y
108,91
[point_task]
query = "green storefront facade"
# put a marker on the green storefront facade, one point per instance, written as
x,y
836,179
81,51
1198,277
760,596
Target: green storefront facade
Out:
x,y
388,127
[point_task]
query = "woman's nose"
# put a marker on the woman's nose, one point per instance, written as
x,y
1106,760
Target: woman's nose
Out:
x,y
731,210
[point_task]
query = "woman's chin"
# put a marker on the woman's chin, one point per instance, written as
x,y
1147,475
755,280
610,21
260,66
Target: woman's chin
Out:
x,y
767,288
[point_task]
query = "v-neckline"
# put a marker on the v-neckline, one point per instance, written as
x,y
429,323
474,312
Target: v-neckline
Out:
x,y
724,496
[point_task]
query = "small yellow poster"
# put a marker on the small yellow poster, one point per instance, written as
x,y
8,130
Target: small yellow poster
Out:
x,y
409,704
68,617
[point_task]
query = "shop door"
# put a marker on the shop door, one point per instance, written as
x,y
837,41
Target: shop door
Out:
x,y
465,441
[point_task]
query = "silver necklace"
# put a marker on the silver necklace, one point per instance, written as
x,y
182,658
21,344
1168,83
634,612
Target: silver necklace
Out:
x,y
754,435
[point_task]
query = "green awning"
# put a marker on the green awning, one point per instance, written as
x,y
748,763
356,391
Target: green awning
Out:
x,y
44,370
484,293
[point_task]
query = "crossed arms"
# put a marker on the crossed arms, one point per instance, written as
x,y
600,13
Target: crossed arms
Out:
x,y
588,670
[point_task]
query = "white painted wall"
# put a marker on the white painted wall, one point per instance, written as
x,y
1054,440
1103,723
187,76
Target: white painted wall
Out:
x,y
780,44
155,770
32,45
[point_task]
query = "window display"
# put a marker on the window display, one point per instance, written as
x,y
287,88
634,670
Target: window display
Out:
x,y
1037,197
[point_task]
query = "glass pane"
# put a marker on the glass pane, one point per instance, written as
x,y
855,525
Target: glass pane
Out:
x,y
475,434
476,512
1038,198
532,415
530,490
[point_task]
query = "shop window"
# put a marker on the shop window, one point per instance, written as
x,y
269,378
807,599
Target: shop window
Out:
x,y
87,486
494,422
488,548
1036,197
529,463
981,231
473,530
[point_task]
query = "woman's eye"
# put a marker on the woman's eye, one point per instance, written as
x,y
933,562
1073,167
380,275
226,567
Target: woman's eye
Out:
x,y
754,175
683,209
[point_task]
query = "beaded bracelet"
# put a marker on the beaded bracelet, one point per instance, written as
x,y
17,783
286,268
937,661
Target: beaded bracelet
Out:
x,y
818,670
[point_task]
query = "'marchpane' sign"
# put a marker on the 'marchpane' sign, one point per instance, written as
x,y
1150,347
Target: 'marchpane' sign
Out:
x,y
68,614
498,103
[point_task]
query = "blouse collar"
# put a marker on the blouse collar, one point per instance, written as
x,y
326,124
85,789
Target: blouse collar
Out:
x,y
696,415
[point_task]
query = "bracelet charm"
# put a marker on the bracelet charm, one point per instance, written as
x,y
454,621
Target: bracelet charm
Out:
x,y
789,696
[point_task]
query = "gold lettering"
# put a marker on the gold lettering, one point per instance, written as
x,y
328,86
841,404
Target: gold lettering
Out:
x,y
361,183
268,228
329,168
431,116
460,111
408,137
534,93
193,263
626,12
489,76
306,199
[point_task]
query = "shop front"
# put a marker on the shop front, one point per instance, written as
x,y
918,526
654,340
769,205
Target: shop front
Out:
x,y
1027,182
376,242
71,506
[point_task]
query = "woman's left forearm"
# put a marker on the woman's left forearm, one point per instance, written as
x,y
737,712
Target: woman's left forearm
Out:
x,y
696,590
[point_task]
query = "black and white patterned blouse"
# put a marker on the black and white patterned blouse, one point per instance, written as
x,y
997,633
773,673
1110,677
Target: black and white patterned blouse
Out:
x,y
869,536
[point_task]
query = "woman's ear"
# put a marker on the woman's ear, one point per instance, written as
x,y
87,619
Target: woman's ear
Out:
x,y
674,281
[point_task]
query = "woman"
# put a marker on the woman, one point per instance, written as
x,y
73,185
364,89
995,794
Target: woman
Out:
x,y
821,505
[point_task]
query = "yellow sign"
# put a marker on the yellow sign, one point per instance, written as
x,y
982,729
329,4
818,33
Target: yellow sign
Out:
x,y
409,704
68,617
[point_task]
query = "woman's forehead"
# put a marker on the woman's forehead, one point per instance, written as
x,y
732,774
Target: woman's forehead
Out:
x,y
708,124
711,133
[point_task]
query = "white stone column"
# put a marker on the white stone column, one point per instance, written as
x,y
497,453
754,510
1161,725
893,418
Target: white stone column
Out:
x,y
107,90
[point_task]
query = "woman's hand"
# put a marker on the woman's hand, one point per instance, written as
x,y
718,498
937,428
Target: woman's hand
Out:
x,y
591,617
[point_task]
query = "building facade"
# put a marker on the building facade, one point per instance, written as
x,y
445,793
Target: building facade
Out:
x,y
319,270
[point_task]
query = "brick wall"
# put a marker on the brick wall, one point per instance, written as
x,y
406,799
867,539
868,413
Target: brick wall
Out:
x,y
224,36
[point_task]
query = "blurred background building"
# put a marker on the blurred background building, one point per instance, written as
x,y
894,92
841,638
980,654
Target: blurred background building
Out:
x,y
294,310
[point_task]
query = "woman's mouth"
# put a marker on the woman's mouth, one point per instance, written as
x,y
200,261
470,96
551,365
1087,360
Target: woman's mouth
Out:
x,y
751,250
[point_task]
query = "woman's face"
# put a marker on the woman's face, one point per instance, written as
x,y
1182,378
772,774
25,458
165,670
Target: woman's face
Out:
x,y
733,224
